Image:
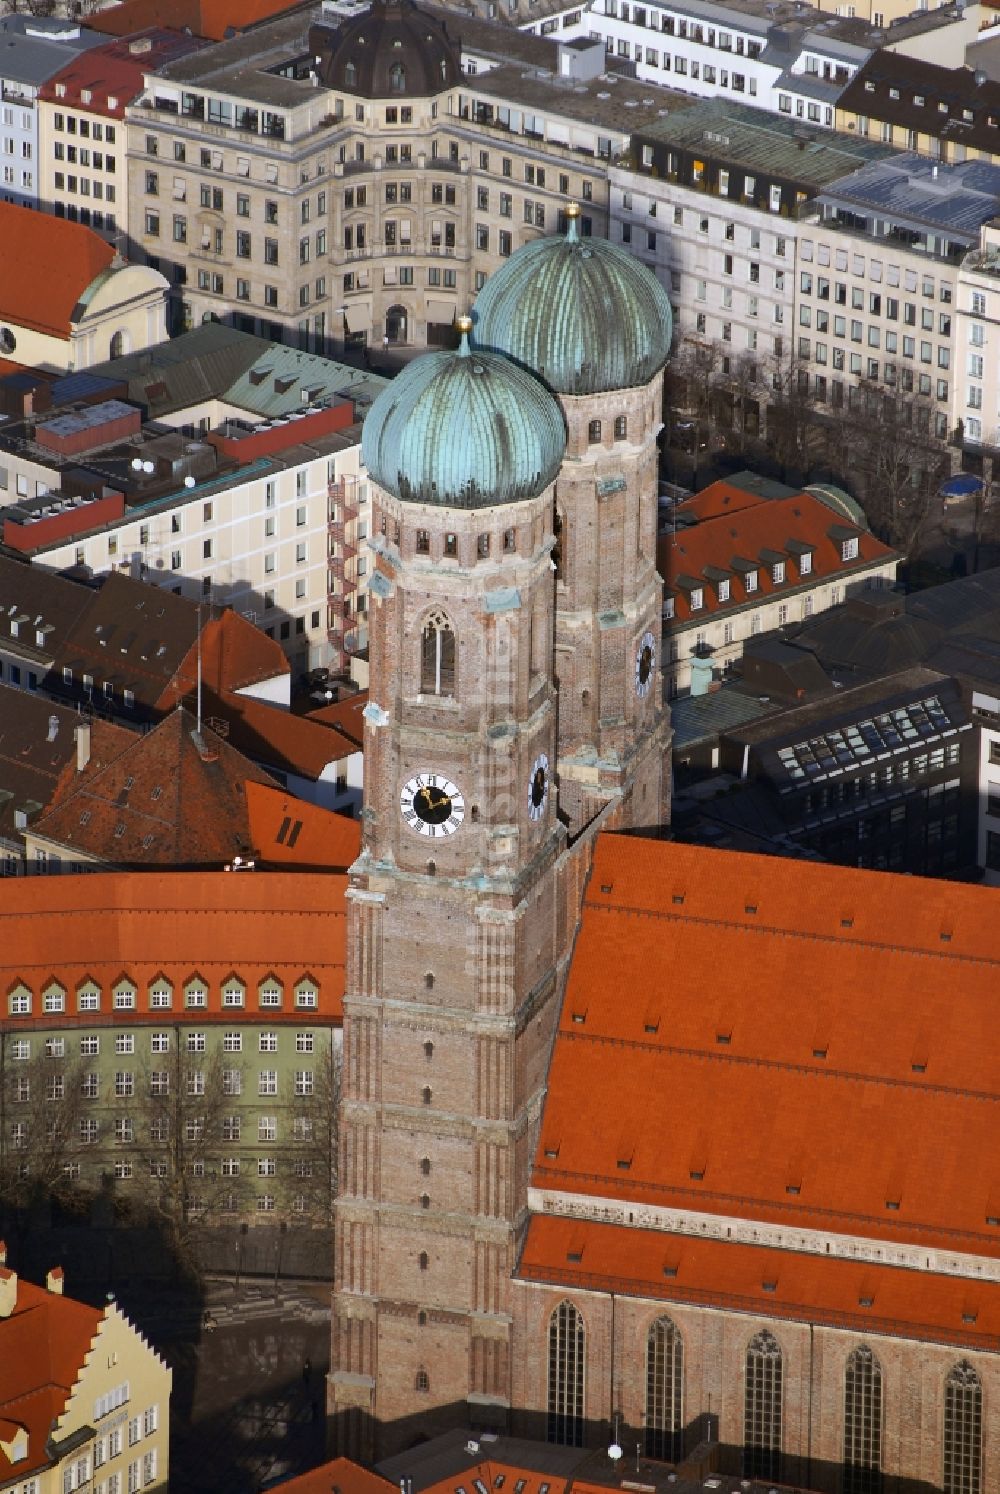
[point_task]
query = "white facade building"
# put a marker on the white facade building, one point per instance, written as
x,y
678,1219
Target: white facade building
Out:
x,y
33,49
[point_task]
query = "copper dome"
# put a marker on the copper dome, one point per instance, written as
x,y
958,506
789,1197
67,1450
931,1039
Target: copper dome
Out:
x,y
392,51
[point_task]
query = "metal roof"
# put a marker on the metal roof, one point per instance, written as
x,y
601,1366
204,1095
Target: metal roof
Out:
x,y
36,47
765,143
702,718
911,189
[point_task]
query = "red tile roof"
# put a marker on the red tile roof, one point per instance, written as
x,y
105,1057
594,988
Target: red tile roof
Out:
x,y
207,18
286,831
735,526
172,797
265,732
115,71
718,1273
341,1476
107,925
42,1348
48,264
740,1037
37,743
346,715
234,656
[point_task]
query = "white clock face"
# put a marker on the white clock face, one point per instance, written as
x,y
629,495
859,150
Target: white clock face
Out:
x,y
645,664
431,804
538,787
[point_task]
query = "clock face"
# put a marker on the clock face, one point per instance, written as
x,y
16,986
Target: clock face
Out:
x,y
645,664
538,787
431,804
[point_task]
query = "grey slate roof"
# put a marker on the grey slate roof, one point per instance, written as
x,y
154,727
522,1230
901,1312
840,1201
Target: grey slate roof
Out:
x,y
913,190
34,48
702,718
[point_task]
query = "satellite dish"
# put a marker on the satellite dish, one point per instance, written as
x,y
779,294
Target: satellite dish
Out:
x,y
137,464
148,467
189,481
614,1452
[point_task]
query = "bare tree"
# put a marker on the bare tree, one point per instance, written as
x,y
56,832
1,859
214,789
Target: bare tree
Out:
x,y
689,391
312,1168
184,1118
41,1109
792,416
888,439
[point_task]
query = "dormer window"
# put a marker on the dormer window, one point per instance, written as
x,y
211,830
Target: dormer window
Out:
x,y
397,78
697,599
778,572
849,548
751,580
918,100
724,591
806,563
668,606
350,75
869,86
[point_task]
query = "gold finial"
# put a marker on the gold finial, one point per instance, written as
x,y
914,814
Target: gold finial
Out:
x,y
464,326
572,210
572,222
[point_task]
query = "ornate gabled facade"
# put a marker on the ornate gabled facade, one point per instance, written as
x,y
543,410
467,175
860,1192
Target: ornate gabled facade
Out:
x,y
464,901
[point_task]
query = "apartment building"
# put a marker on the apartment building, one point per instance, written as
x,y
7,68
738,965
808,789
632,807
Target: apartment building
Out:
x,y
878,282
291,181
244,485
828,256
84,1399
747,556
777,55
711,201
977,345
949,113
205,1049
81,128
34,49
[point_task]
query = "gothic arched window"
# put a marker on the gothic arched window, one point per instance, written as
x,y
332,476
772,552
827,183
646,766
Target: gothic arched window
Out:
x,y
862,1423
762,1408
567,1351
594,432
621,427
397,78
437,656
963,1431
664,1391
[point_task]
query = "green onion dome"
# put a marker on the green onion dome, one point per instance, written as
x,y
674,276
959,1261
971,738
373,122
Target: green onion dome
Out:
x,y
581,313
464,429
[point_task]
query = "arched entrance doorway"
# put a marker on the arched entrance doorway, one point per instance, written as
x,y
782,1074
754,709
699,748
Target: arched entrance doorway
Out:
x,y
396,325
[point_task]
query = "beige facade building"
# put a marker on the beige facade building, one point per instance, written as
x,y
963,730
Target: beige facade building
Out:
x,y
332,179
84,1400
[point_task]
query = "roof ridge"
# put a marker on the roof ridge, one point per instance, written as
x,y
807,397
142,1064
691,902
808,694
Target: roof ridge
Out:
x,y
790,932
785,1065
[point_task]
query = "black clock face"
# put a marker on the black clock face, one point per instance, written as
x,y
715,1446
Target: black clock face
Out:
x,y
538,787
432,805
645,663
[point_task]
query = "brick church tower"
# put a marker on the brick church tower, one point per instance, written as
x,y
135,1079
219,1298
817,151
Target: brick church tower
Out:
x,y
464,902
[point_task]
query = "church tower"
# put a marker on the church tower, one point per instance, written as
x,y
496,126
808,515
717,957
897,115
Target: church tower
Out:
x,y
455,942
595,326
516,708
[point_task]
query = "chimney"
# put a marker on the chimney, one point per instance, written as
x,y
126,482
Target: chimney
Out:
x,y
8,1292
82,734
54,1281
